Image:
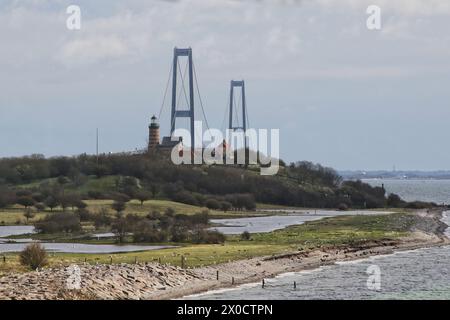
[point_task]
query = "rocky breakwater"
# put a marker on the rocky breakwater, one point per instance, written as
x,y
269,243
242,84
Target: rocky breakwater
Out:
x,y
122,281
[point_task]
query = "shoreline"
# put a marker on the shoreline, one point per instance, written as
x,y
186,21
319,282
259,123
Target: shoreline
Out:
x,y
255,270
153,281
251,271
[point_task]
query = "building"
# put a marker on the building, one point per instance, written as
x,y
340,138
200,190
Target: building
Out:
x,y
167,144
153,140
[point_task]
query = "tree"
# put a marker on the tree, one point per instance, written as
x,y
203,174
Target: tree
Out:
x,y
25,201
102,218
395,201
62,180
51,202
84,214
72,200
154,190
28,214
80,204
39,206
145,231
170,212
212,204
59,222
143,196
120,229
225,206
118,206
121,197
34,256
4,199
64,202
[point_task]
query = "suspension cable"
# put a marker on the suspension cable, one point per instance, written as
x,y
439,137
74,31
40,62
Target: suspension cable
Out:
x,y
199,96
246,113
225,115
165,92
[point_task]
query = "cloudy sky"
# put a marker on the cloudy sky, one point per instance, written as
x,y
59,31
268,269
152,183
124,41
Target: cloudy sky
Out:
x,y
340,94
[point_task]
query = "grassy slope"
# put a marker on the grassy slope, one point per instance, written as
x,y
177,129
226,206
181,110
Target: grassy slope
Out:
x,y
12,215
336,231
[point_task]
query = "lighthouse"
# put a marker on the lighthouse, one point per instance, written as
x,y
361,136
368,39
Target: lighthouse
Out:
x,y
153,140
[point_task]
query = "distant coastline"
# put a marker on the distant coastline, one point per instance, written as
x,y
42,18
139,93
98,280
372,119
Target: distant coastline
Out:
x,y
395,175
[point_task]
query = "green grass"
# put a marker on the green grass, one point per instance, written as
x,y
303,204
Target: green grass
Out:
x,y
92,183
337,231
135,207
196,255
14,215
341,230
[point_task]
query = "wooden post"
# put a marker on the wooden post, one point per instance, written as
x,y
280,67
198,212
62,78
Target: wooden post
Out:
x,y
135,260
110,260
263,283
159,260
182,262
232,280
4,259
217,275
85,260
295,285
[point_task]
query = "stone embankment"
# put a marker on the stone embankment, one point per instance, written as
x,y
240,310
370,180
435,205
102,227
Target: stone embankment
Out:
x,y
122,281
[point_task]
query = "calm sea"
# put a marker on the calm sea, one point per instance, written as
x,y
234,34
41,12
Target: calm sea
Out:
x,y
419,274
410,190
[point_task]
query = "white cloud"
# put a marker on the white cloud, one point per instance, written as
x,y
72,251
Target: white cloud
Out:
x,y
94,49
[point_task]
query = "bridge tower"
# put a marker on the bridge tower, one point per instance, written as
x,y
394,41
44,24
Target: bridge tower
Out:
x,y
240,85
189,113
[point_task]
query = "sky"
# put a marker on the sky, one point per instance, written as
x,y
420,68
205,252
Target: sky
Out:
x,y
340,94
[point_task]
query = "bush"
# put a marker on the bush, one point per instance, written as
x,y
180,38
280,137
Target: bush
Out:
x,y
201,218
119,228
102,219
118,206
3,201
95,195
209,237
212,204
59,222
185,197
342,207
145,231
34,256
420,205
170,212
84,215
395,201
179,233
225,206
246,236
